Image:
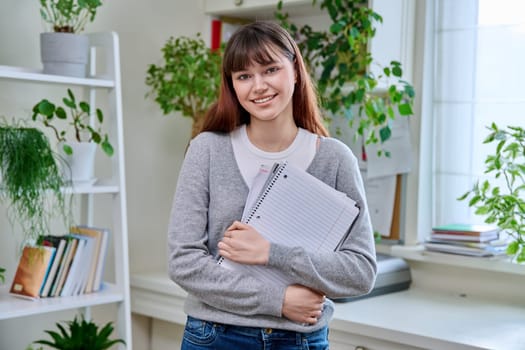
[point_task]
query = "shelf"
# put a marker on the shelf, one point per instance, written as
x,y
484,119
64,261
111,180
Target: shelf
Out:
x,y
100,186
35,75
11,306
258,9
107,77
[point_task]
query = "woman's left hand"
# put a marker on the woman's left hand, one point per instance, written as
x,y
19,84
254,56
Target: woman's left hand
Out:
x,y
243,244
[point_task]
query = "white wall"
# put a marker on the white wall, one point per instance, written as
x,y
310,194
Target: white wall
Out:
x,y
154,143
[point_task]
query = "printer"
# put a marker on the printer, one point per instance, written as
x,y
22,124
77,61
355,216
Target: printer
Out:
x,y
393,275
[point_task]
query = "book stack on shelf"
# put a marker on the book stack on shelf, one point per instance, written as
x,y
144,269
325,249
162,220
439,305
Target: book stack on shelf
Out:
x,y
66,265
467,239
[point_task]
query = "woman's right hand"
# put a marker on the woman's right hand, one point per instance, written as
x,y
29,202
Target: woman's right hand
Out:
x,y
302,304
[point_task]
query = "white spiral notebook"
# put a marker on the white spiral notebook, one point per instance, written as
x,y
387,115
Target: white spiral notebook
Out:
x,y
289,206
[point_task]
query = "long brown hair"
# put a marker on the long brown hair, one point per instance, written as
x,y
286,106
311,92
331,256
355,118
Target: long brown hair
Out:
x,y
257,42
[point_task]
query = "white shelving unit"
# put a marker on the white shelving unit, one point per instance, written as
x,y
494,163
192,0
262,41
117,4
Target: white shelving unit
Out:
x,y
105,46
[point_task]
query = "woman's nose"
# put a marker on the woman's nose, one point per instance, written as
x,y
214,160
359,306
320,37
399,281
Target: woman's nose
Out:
x,y
259,83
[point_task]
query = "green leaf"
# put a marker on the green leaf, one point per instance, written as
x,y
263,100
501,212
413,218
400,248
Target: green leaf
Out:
x,y
100,116
385,133
513,247
67,149
46,108
106,147
84,107
397,71
61,113
405,109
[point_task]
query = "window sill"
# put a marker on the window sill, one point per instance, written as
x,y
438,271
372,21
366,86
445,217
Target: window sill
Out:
x,y
418,253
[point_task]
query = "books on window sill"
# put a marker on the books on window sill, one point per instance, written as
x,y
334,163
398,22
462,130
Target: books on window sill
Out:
x,y
465,232
73,264
467,248
467,239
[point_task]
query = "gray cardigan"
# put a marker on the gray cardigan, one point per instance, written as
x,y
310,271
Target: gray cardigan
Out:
x,y
210,195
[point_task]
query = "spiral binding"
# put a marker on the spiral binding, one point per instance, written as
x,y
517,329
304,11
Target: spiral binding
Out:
x,y
280,170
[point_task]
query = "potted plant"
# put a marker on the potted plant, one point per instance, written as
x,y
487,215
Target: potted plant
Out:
x,y
86,135
64,51
188,79
339,63
81,335
31,180
503,203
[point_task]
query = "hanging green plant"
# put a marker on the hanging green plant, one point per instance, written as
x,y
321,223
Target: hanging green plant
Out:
x,y
81,335
339,61
31,180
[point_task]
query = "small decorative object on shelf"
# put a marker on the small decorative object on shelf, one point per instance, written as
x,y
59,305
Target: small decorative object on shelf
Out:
x,y
80,154
64,51
500,198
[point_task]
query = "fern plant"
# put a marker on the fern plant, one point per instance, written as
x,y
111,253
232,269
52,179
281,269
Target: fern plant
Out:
x,y
504,205
81,335
31,180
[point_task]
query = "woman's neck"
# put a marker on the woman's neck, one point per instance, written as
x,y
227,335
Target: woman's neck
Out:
x,y
270,136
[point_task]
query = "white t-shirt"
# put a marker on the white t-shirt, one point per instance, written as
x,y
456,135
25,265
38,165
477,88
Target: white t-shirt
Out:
x,y
250,158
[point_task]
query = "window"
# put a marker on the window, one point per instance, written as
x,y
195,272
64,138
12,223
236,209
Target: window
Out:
x,y
478,78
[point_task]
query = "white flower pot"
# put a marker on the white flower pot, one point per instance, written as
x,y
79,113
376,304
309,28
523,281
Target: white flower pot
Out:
x,y
81,164
64,53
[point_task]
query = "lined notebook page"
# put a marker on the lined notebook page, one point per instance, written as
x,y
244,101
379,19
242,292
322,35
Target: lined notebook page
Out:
x,y
296,209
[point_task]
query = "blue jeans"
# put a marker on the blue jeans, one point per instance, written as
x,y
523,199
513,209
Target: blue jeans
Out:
x,y
201,335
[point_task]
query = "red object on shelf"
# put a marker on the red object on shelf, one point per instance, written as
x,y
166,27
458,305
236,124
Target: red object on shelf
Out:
x,y
216,25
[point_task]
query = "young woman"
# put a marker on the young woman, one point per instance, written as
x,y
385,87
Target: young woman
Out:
x,y
267,112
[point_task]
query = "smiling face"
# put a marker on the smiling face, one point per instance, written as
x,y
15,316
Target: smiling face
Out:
x,y
265,90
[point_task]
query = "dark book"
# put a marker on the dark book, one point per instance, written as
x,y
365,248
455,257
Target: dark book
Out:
x,y
64,267
59,243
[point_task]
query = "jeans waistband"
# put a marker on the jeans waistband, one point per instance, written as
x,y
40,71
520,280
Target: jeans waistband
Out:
x,y
261,331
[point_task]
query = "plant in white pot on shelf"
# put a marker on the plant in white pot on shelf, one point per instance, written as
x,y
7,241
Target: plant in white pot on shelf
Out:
x,y
64,50
86,129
